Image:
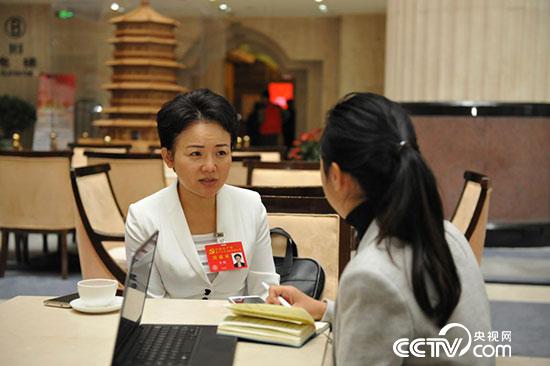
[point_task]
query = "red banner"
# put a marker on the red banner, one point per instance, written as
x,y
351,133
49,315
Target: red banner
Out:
x,y
55,111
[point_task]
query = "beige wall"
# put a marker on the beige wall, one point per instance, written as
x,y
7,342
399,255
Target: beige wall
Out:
x,y
340,54
76,46
36,43
201,47
80,46
362,48
491,50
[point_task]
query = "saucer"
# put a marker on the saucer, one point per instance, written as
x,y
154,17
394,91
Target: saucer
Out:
x,y
77,304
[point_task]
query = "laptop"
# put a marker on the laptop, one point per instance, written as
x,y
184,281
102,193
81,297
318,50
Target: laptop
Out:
x,y
162,344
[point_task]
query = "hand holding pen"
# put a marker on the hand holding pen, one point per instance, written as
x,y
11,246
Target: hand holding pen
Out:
x,y
282,301
279,294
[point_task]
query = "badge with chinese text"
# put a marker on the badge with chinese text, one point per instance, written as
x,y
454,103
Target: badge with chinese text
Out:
x,y
226,256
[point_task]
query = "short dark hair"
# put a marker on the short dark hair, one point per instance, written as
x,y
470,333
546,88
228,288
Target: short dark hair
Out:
x,y
197,105
237,255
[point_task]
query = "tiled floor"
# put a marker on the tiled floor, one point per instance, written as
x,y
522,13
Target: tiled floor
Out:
x,y
523,361
504,292
519,293
516,265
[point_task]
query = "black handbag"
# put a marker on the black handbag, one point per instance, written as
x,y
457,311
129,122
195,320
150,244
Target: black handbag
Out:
x,y
306,274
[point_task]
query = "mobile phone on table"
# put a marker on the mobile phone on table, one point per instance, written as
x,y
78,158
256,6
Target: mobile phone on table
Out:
x,y
252,299
61,301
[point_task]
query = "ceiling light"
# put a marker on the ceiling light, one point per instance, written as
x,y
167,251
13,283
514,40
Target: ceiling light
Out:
x,y
318,1
323,8
224,7
115,6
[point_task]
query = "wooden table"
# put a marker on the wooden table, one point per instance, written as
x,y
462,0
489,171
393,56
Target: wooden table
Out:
x,y
34,334
31,333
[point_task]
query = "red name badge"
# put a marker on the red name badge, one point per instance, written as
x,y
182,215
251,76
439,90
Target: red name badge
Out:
x,y
226,256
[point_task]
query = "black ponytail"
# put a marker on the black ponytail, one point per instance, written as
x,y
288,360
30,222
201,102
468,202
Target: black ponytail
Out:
x,y
373,139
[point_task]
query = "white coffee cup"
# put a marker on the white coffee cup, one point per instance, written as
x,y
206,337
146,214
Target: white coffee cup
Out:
x,y
97,292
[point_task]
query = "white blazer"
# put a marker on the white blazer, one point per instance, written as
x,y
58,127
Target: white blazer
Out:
x,y
177,271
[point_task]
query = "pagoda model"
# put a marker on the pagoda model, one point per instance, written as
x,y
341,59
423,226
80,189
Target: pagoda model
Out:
x,y
144,75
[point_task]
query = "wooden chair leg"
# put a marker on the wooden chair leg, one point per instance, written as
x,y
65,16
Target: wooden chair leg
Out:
x,y
62,240
4,252
25,247
18,253
45,243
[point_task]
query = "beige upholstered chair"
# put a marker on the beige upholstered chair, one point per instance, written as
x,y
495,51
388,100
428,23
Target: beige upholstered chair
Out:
x,y
35,197
79,159
99,224
134,176
472,211
318,231
266,153
284,174
238,174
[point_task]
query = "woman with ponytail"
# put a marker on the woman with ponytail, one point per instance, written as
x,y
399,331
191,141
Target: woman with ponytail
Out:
x,y
413,272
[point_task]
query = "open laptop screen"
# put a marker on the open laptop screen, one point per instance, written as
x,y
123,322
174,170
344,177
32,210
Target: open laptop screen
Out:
x,y
135,291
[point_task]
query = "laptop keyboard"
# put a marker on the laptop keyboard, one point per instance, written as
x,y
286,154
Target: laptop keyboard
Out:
x,y
166,344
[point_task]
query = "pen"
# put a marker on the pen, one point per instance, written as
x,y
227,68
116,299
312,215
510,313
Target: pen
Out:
x,y
280,298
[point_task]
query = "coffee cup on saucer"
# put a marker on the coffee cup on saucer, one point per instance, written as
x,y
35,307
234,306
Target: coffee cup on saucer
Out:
x,y
97,292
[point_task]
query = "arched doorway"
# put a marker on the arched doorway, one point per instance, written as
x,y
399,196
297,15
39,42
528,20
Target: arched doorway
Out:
x,y
305,75
206,61
248,75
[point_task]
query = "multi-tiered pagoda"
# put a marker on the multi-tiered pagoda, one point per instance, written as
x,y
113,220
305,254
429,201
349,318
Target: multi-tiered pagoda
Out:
x,y
144,75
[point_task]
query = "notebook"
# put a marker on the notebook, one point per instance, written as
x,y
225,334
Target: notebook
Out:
x,y
164,344
276,324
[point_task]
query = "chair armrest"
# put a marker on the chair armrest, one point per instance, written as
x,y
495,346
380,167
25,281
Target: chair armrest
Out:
x,y
108,237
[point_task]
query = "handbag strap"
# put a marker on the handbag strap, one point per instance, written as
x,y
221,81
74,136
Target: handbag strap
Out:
x,y
291,250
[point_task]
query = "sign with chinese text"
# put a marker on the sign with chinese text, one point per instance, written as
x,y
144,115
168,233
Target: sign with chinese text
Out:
x,y
15,59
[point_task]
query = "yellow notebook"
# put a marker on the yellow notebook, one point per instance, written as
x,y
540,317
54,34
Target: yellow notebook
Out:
x,y
270,324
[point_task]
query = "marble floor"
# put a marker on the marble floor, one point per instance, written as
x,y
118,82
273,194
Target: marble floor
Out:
x,y
520,293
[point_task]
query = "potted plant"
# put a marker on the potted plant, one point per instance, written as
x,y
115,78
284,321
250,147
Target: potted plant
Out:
x,y
16,115
307,146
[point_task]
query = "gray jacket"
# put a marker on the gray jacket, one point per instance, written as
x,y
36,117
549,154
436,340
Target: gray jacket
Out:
x,y
376,306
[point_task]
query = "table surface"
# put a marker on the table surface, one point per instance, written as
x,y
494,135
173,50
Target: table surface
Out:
x,y
32,334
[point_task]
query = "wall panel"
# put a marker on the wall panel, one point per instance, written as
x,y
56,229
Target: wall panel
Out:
x,y
495,50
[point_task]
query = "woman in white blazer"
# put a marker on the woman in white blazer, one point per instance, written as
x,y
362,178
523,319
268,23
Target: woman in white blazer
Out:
x,y
197,131
413,272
